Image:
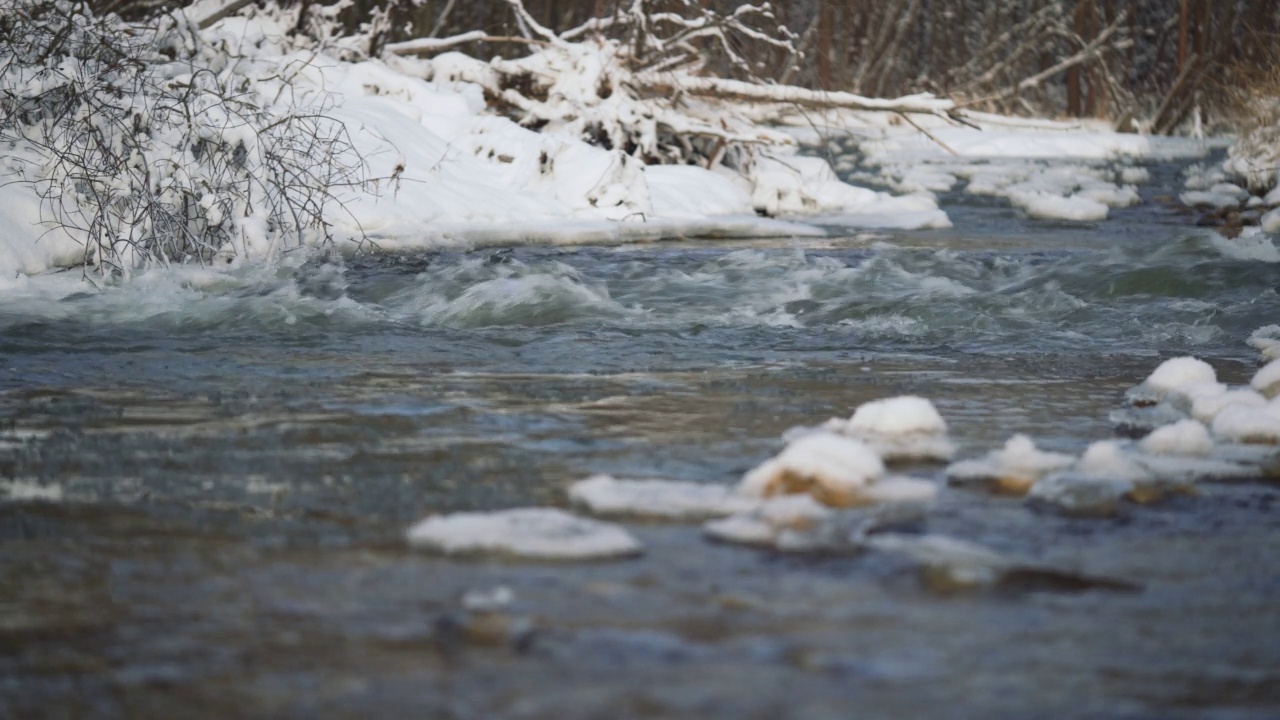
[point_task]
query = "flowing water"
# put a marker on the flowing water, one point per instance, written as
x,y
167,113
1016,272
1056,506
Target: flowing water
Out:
x,y
209,477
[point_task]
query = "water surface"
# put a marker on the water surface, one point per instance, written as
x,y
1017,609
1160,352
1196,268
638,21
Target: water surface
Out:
x,y
210,476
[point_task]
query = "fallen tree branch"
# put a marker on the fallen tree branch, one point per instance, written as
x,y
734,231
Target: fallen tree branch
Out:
x,y
424,46
924,103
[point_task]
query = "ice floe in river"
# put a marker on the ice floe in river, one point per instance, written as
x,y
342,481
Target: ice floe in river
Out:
x,y
835,470
666,499
898,428
1011,470
541,533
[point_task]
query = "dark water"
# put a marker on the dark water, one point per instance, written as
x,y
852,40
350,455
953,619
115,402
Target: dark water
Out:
x,y
228,464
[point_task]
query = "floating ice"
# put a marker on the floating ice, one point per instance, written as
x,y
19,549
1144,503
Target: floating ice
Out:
x,y
899,428
771,522
1047,206
1171,376
27,490
1270,222
1267,380
490,600
1266,340
1237,423
544,533
1185,437
836,470
1206,407
1134,175
798,523
1080,494
830,467
1011,470
949,564
604,494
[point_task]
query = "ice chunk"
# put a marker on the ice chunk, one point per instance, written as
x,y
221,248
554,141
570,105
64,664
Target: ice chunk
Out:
x,y
1171,376
769,521
1011,470
658,498
1270,222
1267,380
1185,437
948,564
900,428
1206,407
1080,494
1241,424
1266,340
544,533
832,468
1048,206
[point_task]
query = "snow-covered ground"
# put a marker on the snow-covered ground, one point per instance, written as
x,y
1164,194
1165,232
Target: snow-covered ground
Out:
x,y
451,172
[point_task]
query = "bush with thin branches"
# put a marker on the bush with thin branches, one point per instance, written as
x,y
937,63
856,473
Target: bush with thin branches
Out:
x,y
154,148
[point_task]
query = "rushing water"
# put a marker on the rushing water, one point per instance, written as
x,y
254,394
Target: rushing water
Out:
x,y
210,476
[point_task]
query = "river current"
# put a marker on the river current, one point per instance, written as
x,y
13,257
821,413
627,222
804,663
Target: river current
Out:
x,y
209,476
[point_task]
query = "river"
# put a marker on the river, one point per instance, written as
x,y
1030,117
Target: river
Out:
x,y
210,477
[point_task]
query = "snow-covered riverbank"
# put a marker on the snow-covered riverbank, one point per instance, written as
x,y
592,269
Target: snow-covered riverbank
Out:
x,y
448,172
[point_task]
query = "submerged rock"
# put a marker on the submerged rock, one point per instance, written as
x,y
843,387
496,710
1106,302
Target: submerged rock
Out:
x,y
543,533
949,565
797,523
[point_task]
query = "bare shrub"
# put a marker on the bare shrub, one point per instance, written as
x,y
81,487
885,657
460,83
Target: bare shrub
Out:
x,y
152,147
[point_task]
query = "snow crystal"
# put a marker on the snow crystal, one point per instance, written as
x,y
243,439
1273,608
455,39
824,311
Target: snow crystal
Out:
x,y
1012,469
1186,437
544,533
658,498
